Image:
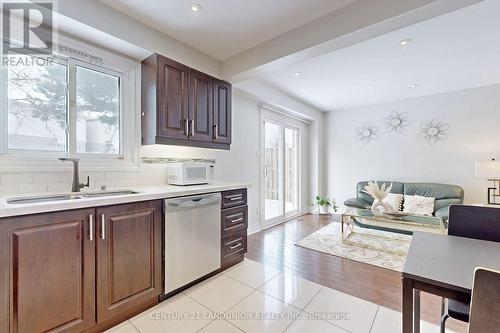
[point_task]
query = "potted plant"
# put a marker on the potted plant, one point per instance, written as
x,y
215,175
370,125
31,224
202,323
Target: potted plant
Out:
x,y
324,204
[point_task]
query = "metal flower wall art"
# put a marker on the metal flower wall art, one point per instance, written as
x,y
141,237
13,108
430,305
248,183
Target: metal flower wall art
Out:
x,y
366,133
396,122
433,131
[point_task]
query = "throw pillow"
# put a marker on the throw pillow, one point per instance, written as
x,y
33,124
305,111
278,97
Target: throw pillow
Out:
x,y
419,205
395,200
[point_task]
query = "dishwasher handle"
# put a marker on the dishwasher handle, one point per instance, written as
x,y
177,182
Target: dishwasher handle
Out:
x,y
194,201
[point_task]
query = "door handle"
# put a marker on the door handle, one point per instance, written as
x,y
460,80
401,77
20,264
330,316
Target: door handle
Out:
x,y
91,227
186,126
192,127
237,220
216,132
103,226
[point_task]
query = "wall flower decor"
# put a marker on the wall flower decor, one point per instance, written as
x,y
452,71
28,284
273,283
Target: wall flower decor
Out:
x,y
366,133
433,131
396,122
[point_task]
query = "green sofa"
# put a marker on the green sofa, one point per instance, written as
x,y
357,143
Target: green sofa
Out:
x,y
445,195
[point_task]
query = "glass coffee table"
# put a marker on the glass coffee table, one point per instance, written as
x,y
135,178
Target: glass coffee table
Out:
x,y
400,223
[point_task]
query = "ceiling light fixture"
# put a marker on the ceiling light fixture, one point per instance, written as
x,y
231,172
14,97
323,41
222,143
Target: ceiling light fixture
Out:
x,y
405,42
414,85
195,7
297,73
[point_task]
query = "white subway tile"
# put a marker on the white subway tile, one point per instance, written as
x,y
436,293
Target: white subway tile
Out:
x,y
32,188
17,178
8,189
66,177
59,187
114,175
39,178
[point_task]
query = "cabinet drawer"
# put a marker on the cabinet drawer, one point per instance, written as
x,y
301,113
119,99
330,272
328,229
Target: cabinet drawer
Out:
x,y
234,247
234,219
234,198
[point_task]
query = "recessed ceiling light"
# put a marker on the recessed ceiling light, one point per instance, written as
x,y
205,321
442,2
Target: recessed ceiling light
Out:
x,y
297,73
405,42
195,7
414,85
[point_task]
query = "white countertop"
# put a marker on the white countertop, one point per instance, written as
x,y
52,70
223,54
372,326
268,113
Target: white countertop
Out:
x,y
145,193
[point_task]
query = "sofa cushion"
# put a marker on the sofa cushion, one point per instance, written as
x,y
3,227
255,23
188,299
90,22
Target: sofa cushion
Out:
x,y
419,205
395,200
444,194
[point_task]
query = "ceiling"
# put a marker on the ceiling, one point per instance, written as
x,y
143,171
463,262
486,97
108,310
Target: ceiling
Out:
x,y
225,27
456,51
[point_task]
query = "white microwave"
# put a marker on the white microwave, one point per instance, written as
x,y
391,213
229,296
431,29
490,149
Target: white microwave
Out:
x,y
190,173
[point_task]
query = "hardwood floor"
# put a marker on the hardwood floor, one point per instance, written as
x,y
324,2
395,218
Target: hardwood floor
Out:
x,y
276,247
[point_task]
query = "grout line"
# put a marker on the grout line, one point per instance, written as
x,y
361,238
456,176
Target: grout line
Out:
x,y
131,323
374,318
326,321
230,323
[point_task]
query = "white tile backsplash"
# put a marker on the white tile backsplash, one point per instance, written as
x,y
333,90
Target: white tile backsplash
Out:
x,y
43,178
32,188
57,182
16,178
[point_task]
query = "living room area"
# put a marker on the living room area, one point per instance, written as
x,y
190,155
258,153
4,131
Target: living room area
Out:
x,y
409,208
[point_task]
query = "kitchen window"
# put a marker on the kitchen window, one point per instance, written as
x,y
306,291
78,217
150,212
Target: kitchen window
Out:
x,y
65,106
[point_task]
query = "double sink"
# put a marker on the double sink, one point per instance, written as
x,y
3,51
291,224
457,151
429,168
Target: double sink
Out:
x,y
66,197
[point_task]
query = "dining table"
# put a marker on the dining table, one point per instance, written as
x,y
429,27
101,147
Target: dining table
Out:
x,y
442,265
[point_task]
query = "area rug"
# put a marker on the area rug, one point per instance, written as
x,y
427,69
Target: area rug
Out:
x,y
374,247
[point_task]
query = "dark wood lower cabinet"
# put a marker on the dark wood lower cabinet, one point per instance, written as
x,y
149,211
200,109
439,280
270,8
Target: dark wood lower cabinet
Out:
x,y
234,219
128,257
47,280
79,270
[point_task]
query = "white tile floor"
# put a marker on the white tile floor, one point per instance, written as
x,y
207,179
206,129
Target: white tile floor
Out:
x,y
253,298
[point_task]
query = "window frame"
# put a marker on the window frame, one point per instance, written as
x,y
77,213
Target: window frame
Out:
x,y
128,72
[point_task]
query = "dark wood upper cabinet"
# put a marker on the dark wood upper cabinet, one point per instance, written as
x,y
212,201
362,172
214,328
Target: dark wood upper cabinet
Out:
x,y
48,272
200,106
129,258
165,108
222,111
182,106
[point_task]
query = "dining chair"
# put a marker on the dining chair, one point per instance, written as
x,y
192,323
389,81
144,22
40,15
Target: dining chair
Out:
x,y
471,222
485,304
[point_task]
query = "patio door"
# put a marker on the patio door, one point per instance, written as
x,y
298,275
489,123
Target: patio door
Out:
x,y
281,170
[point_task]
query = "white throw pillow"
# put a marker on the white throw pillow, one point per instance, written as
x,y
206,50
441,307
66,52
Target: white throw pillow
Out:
x,y
395,200
419,205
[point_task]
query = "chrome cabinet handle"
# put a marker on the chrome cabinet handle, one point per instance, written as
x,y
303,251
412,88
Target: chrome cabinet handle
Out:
x,y
103,227
236,198
216,132
235,246
186,126
192,127
91,227
237,220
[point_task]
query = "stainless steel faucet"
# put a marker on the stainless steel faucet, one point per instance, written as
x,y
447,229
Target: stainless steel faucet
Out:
x,y
76,186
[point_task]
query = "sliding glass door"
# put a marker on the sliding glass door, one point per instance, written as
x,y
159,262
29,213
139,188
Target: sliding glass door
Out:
x,y
281,171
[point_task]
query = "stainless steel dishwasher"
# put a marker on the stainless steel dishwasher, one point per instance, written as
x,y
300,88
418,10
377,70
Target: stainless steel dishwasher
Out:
x,y
192,238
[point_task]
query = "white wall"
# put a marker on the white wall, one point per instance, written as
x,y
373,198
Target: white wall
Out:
x,y
473,116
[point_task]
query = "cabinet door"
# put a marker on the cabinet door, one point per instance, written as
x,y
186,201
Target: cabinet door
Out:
x,y
50,259
200,106
129,257
222,112
173,103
